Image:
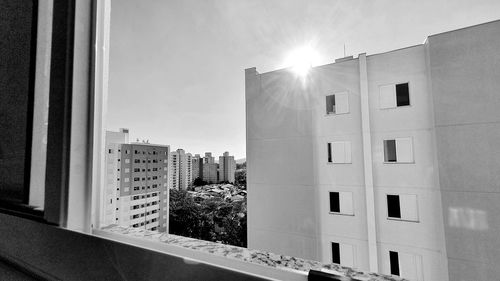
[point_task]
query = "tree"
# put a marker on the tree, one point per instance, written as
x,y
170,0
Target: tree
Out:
x,y
199,182
240,177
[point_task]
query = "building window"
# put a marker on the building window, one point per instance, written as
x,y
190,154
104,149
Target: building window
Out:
x,y
337,103
127,161
341,202
339,152
137,179
394,261
127,170
127,151
343,254
394,95
137,170
137,161
110,151
126,179
402,207
399,150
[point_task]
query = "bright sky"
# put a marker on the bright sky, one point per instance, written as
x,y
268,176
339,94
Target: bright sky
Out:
x,y
177,67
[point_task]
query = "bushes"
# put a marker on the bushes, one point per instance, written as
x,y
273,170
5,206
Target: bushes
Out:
x,y
213,219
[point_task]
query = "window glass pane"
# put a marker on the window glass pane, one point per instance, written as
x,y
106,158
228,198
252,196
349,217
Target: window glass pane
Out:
x,y
342,103
404,150
335,252
390,151
334,202
394,260
330,104
402,94
393,207
347,255
346,203
17,63
409,210
387,96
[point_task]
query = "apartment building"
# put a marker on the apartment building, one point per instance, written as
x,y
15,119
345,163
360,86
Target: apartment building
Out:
x,y
197,166
210,169
136,191
227,167
386,162
181,176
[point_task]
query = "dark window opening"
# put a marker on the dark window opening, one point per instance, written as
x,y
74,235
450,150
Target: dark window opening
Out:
x,y
402,94
330,104
390,151
335,252
394,260
334,202
329,153
393,208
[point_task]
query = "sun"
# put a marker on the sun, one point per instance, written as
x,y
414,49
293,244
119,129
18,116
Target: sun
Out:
x,y
301,60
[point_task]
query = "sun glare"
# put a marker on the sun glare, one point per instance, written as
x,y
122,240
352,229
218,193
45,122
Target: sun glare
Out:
x,y
301,60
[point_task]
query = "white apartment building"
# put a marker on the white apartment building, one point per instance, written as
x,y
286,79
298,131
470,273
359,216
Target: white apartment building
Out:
x,y
136,191
209,172
377,162
227,167
181,167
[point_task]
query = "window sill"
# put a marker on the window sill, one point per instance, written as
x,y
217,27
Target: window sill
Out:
x,y
335,114
248,261
331,163
396,107
341,214
392,163
403,220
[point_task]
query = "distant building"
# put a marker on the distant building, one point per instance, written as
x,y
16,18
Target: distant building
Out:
x,y
388,162
136,191
197,167
210,169
227,167
181,176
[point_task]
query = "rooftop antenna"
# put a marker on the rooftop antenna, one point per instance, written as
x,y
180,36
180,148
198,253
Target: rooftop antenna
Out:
x,y
344,50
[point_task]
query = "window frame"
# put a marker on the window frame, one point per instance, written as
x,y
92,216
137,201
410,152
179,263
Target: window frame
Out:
x,y
77,131
395,95
402,218
340,203
335,99
410,138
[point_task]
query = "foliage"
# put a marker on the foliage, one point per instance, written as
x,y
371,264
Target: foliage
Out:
x,y
199,182
213,219
240,177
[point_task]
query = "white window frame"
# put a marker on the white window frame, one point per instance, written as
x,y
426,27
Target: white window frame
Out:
x,y
345,97
400,140
343,198
408,199
390,89
343,147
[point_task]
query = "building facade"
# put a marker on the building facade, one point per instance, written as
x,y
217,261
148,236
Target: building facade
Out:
x,y
181,176
136,193
383,162
210,169
197,167
227,167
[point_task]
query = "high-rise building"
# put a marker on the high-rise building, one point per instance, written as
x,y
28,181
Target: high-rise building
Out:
x,y
136,191
181,170
209,170
387,162
197,167
227,166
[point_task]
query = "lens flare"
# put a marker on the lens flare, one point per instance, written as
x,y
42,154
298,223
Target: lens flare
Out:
x,y
301,60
